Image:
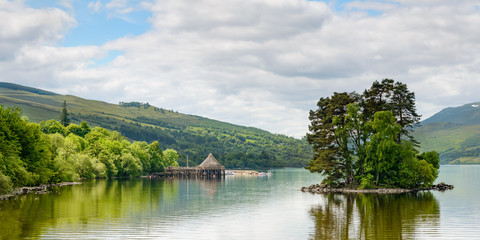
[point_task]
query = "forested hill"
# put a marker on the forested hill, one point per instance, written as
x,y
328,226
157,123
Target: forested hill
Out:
x,y
233,145
454,133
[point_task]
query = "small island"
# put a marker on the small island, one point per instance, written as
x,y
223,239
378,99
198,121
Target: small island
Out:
x,y
363,143
323,188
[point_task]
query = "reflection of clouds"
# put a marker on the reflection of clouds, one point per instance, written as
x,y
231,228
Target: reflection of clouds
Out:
x,y
375,216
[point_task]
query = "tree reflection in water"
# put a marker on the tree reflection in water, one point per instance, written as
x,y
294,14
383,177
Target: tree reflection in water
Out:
x,y
73,207
374,216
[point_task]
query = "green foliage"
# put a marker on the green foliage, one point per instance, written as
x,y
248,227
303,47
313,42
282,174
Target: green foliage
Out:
x,y
25,149
52,126
431,157
171,157
5,184
382,150
427,173
81,130
156,157
131,166
395,97
139,151
329,137
366,181
365,140
234,146
28,156
135,104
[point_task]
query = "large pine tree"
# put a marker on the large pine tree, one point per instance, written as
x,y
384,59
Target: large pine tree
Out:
x,y
395,97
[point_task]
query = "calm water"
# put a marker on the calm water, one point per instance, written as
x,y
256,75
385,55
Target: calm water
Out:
x,y
243,208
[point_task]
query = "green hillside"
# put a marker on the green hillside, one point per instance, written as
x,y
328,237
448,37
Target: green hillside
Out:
x,y
234,146
454,133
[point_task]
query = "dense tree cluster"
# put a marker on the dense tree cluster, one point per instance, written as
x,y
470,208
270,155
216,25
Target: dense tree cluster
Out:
x,y
233,147
32,154
364,140
193,136
135,104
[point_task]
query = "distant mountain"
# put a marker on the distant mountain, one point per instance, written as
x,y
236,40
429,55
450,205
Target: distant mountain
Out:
x,y
467,114
233,145
454,133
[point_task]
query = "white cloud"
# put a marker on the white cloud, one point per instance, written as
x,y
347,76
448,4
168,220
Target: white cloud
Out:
x,y
256,21
68,4
117,4
122,7
22,26
95,6
261,63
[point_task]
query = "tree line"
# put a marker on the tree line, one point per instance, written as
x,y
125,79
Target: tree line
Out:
x,y
364,140
233,148
33,154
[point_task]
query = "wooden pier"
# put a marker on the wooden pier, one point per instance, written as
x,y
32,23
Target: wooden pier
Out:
x,y
209,168
181,171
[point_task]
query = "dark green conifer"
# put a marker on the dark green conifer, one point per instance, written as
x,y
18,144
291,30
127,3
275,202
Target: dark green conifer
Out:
x,y
64,120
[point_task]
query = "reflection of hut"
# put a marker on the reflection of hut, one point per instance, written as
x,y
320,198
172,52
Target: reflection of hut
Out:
x,y
211,167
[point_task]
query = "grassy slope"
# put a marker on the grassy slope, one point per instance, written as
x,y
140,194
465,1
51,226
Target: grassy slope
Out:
x,y
454,133
188,134
42,107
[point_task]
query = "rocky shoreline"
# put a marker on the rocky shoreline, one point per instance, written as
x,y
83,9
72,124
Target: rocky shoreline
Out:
x,y
42,189
323,188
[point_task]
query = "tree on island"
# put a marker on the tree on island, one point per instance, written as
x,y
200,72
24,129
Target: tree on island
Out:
x,y
64,120
365,141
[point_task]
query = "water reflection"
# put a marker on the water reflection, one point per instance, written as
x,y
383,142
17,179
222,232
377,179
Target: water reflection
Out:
x,y
373,216
72,207
235,208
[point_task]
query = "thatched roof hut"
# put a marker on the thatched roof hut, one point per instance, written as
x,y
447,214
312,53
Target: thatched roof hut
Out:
x,y
211,163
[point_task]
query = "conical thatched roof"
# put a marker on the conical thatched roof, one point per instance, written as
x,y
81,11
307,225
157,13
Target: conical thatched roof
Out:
x,y
211,163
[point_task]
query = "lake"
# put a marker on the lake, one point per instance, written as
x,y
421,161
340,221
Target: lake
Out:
x,y
236,207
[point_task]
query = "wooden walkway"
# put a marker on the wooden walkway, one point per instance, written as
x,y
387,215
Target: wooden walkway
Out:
x,y
209,168
194,172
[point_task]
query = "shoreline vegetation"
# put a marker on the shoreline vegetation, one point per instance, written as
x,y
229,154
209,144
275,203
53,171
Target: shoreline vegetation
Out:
x,y
47,188
234,146
33,155
41,189
37,157
323,188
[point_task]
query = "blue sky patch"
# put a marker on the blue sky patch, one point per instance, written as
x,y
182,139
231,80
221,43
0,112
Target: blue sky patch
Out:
x,y
340,6
98,27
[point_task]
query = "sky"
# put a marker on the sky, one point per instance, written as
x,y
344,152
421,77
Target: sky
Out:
x,y
259,63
